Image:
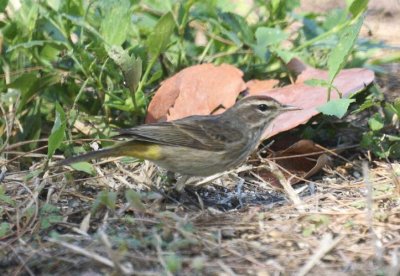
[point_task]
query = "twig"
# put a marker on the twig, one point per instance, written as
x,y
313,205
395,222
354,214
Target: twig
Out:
x,y
8,129
291,193
84,252
114,257
3,173
159,253
226,268
369,200
22,261
377,244
231,250
395,266
325,150
326,245
213,177
393,173
338,155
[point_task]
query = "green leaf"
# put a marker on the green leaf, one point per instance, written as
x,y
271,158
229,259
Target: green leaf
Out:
x,y
105,199
286,56
239,25
334,18
115,24
155,76
49,220
30,84
57,132
268,36
49,53
24,84
158,40
358,7
27,15
361,204
315,222
54,4
5,199
275,5
134,200
393,138
309,230
232,36
130,65
84,167
79,21
49,215
336,107
396,105
5,229
3,5
173,263
34,43
393,107
316,83
160,6
368,103
338,57
394,150
32,125
376,122
32,174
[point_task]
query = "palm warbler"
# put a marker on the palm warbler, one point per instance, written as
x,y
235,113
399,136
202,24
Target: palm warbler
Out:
x,y
197,145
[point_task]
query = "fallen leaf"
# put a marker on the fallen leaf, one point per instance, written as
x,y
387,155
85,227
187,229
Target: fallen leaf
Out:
x,y
297,66
300,161
309,98
85,223
303,164
259,86
197,90
208,89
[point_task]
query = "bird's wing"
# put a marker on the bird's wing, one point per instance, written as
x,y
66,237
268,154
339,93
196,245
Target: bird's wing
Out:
x,y
195,132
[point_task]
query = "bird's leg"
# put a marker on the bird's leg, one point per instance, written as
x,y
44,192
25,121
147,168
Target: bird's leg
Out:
x,y
239,191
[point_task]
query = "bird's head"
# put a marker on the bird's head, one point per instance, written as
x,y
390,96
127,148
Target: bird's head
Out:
x,y
258,110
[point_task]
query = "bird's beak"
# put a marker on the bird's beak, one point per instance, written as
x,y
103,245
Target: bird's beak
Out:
x,y
290,108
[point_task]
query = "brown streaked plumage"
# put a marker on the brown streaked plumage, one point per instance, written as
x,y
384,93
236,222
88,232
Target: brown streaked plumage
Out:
x,y
198,145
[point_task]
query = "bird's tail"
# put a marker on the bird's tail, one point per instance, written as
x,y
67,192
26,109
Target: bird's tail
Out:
x,y
107,152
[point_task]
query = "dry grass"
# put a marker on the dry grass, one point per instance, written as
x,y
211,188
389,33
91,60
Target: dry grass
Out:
x,y
345,226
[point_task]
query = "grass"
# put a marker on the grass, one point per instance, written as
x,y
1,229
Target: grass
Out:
x,y
345,224
125,218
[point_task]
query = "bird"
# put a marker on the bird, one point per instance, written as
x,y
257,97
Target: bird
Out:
x,y
198,145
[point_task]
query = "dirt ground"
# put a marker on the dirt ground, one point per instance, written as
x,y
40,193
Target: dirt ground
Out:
x,y
382,21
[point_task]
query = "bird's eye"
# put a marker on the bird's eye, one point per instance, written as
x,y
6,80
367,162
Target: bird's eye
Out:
x,y
262,107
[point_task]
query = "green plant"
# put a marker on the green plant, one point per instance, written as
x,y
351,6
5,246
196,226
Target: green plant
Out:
x,y
383,137
102,60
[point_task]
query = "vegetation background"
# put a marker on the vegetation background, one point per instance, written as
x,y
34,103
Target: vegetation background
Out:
x,y
73,70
